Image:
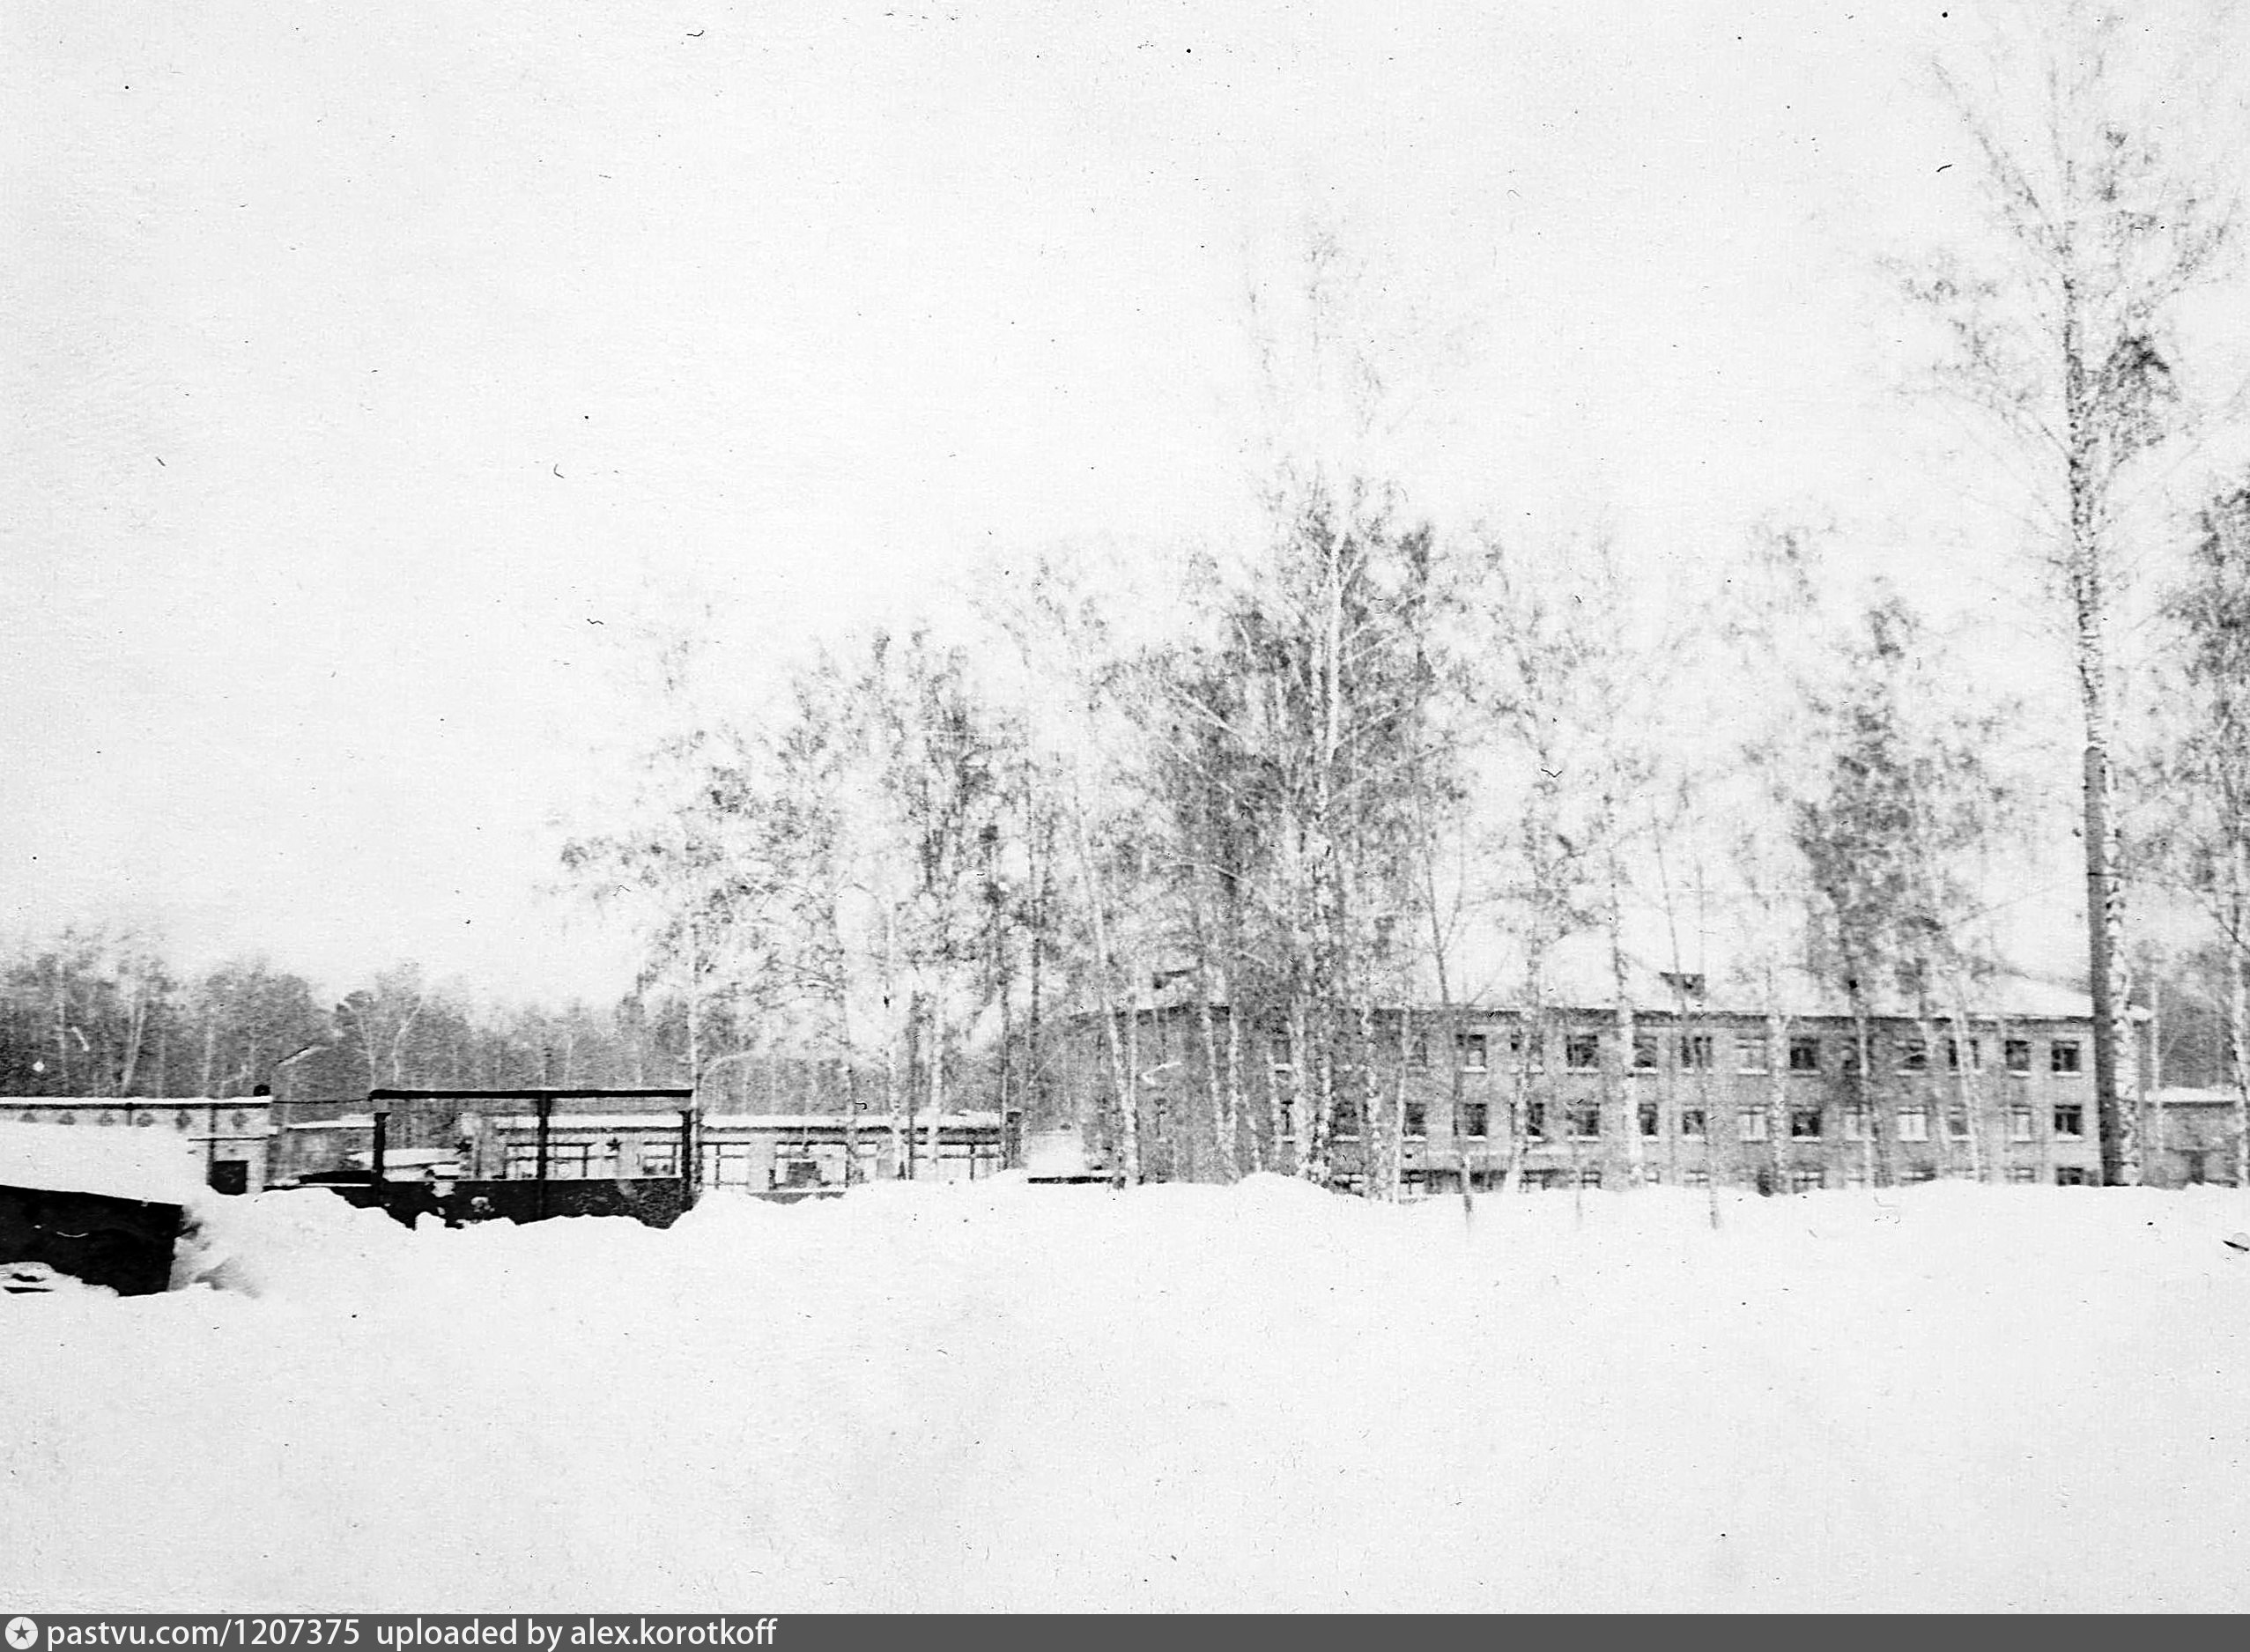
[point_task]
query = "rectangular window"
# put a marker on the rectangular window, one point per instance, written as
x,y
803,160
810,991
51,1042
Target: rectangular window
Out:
x,y
1590,1176
1954,1053
1804,1055
1956,1123
1750,1124
1649,1123
795,1170
1418,1052
1347,1120
2072,1177
1856,1174
2019,1125
1805,1181
1855,1122
2017,1052
1920,1174
1695,1052
1288,1121
1470,1045
1644,1052
2063,1056
1535,1120
1277,1054
2070,1121
579,1161
1750,1052
1913,1056
1695,1177
1418,1121
1804,1123
522,1164
1914,1122
2021,1174
1848,1058
659,1158
1586,1120
1582,1052
726,1164
1474,1115
1529,1054
1692,1122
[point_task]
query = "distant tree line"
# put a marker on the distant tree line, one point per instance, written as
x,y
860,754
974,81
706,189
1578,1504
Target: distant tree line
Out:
x,y
97,1013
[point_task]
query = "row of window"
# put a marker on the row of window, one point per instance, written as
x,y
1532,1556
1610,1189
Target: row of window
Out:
x,y
1695,1052
1804,1179
1582,1122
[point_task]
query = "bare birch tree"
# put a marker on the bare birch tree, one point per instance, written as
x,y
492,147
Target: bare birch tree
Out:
x,y
2063,336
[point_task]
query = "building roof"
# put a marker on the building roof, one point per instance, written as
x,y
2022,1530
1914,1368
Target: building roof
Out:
x,y
40,1109
1795,994
152,1166
83,1103
779,1122
2192,1096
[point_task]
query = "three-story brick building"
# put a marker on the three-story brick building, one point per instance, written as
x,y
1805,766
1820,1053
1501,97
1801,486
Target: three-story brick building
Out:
x,y
1790,1097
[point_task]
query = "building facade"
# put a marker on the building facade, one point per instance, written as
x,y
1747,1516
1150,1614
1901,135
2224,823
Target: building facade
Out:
x,y
232,1135
622,1136
1784,1103
2189,1137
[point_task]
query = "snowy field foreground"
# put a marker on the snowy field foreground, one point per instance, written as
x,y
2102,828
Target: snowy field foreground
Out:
x,y
999,1397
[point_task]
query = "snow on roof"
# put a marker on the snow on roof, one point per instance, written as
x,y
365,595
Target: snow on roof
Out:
x,y
2192,1096
837,1121
153,1102
154,1166
1796,994
780,1121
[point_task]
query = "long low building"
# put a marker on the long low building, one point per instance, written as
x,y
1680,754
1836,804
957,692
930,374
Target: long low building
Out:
x,y
232,1135
1695,1094
756,1152
593,1136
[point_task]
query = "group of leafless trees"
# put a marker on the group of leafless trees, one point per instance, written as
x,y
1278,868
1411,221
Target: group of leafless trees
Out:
x,y
1341,793
1345,768
2070,339
90,1012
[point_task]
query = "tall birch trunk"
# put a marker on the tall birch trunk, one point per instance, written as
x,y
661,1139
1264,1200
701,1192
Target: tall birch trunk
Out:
x,y
1215,1088
1128,1170
1374,1165
2237,1003
2087,566
1777,1084
1968,1076
1626,1032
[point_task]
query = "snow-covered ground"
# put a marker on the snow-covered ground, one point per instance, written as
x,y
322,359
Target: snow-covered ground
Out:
x,y
997,1396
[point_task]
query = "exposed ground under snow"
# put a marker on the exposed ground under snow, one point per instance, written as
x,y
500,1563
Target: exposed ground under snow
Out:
x,y
994,1396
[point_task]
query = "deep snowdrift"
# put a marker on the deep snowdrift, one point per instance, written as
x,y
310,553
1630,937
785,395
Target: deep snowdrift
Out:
x,y
1001,1397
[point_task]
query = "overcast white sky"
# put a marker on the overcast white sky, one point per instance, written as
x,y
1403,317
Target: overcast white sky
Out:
x,y
371,371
